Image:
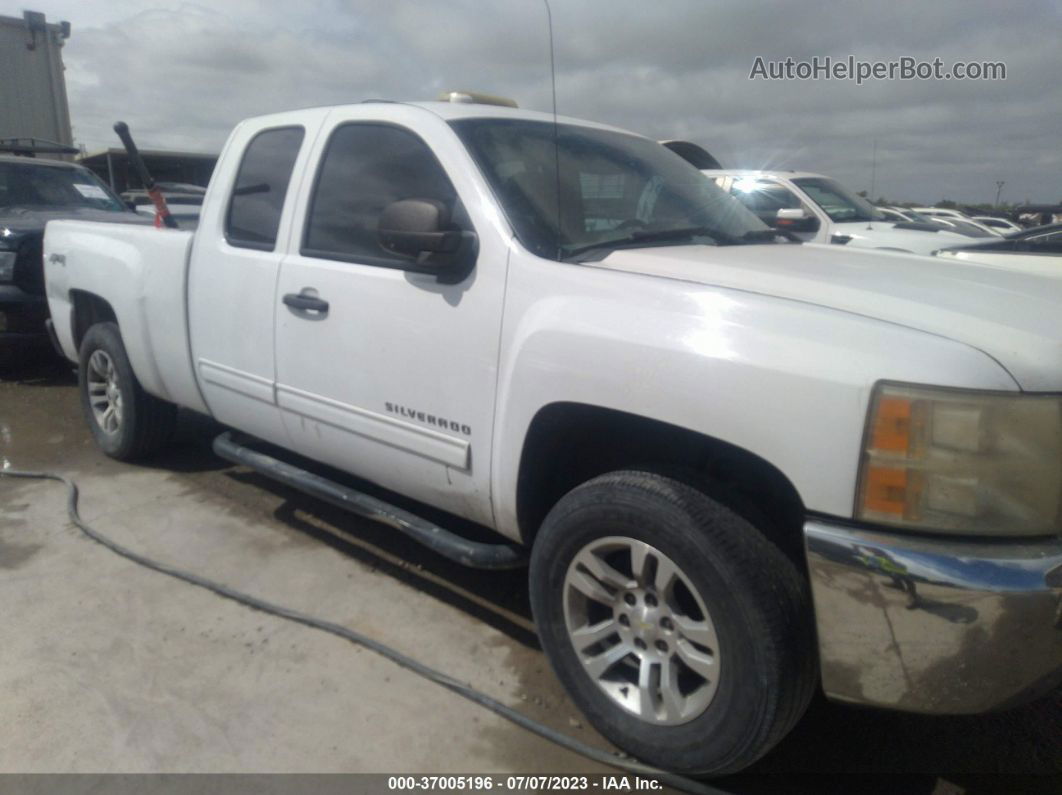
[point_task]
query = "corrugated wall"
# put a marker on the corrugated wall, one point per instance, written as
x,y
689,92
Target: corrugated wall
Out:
x,y
32,86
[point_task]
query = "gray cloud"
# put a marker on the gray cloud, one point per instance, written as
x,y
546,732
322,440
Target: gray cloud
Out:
x,y
182,74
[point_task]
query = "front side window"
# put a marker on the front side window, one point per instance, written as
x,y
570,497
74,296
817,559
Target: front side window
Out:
x,y
570,191
261,185
764,197
837,202
366,167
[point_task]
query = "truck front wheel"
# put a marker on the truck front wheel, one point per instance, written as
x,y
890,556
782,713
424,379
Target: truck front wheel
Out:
x,y
126,421
679,630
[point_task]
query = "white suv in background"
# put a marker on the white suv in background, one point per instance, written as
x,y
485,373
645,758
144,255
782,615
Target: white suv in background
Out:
x,y
941,212
821,210
963,223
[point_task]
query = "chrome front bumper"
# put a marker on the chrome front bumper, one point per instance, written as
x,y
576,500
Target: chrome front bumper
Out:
x,y
946,626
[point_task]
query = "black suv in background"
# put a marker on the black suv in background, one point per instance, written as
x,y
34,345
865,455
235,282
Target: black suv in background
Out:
x,y
34,191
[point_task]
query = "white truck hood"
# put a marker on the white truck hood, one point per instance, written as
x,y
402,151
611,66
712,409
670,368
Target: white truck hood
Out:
x,y
884,234
1013,317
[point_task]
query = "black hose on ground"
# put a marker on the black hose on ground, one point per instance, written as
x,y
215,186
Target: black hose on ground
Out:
x,y
397,657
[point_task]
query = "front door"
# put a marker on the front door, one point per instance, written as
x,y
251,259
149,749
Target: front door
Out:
x,y
383,372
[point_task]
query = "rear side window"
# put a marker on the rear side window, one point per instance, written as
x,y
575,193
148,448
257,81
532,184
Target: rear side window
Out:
x,y
261,185
366,167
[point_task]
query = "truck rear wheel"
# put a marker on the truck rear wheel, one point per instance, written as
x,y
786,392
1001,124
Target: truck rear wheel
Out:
x,y
679,630
126,421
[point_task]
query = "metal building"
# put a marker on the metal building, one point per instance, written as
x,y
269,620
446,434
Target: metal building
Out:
x,y
32,85
113,167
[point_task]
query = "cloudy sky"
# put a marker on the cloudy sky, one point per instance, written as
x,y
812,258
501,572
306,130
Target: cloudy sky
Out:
x,y
183,73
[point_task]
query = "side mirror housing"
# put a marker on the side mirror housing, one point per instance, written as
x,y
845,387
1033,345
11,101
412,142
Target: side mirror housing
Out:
x,y
792,214
795,219
423,230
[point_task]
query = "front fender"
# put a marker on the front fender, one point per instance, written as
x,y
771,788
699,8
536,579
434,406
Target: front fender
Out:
x,y
785,380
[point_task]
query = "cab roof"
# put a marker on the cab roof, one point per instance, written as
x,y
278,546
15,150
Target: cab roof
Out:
x,y
451,111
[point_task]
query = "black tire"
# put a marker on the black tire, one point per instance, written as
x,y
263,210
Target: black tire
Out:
x,y
10,358
757,600
146,423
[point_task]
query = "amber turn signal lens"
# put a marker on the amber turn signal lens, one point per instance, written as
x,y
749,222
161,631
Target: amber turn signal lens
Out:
x,y
892,491
962,461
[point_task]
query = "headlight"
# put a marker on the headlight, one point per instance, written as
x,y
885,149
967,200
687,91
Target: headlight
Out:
x,y
958,461
7,265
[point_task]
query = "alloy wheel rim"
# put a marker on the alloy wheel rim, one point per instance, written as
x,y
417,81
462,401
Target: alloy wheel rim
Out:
x,y
641,631
104,394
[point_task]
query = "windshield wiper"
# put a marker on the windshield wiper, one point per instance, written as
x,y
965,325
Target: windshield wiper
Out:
x,y
653,236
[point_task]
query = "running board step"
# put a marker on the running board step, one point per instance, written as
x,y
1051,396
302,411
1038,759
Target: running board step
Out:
x,y
474,554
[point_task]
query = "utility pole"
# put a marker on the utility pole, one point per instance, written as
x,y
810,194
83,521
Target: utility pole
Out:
x,y
999,189
873,170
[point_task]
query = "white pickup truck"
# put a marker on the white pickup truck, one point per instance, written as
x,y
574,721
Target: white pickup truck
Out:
x,y
821,210
740,466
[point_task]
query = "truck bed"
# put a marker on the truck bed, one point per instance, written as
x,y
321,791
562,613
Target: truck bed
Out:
x,y
143,273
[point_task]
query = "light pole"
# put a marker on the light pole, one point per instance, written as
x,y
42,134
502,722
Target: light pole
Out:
x,y
873,171
999,189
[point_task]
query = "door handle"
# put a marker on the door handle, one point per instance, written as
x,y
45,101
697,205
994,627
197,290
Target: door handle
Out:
x,y
307,303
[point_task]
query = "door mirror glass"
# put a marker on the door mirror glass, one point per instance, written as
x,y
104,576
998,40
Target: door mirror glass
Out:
x,y
415,226
422,229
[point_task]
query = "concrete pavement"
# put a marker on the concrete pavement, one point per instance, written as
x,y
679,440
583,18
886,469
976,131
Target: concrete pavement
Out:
x,y
106,667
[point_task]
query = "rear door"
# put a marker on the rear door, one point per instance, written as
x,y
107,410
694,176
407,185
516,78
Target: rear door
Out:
x,y
395,379
235,263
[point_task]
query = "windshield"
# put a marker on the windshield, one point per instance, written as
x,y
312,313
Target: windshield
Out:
x,y
33,185
616,190
837,202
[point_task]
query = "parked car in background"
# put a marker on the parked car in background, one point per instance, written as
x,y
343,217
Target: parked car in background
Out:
x,y
1001,225
694,154
966,226
173,191
821,210
1030,215
719,447
183,199
34,191
894,215
962,226
941,212
1036,250
185,214
907,215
